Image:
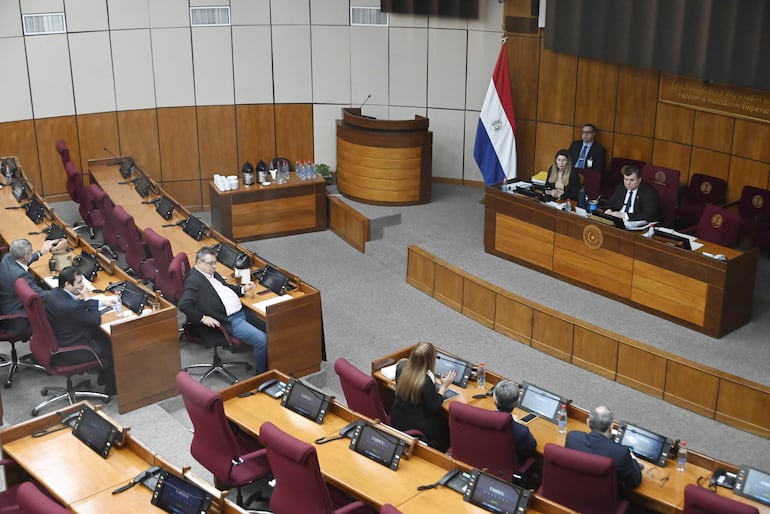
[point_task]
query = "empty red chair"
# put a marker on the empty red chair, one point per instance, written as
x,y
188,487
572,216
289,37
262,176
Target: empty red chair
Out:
x,y
361,391
754,210
717,225
698,500
666,183
156,268
703,189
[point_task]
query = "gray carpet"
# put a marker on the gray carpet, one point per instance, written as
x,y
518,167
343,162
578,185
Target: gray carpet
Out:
x,y
370,311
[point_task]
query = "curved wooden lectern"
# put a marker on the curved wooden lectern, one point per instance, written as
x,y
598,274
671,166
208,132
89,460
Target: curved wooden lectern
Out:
x,y
384,161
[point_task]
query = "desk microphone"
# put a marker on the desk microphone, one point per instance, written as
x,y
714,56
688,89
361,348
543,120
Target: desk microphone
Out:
x,y
177,224
16,207
132,181
365,100
156,202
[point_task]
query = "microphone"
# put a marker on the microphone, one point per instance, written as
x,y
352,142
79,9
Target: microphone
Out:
x,y
156,202
111,154
177,224
365,100
132,181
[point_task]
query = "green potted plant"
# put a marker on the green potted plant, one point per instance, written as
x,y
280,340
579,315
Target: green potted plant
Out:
x,y
323,170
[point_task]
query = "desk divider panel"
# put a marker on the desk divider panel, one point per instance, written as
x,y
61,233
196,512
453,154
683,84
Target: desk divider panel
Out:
x,y
642,369
478,302
691,388
514,319
449,287
595,352
552,335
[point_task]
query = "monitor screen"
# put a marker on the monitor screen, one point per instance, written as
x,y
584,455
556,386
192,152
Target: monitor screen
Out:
x,y
226,254
142,186
445,363
753,483
540,401
95,431
496,495
377,445
645,444
133,298
305,400
177,495
35,210
165,208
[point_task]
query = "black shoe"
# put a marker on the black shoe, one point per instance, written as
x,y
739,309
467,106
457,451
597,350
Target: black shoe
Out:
x,y
110,390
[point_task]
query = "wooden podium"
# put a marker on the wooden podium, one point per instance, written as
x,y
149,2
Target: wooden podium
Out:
x,y
384,162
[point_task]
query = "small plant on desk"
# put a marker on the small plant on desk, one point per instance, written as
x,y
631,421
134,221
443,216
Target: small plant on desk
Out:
x,y
323,170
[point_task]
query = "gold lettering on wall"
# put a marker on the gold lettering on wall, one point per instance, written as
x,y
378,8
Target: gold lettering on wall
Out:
x,y
751,104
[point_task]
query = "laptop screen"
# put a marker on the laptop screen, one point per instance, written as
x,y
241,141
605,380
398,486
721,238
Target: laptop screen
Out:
x,y
496,495
540,401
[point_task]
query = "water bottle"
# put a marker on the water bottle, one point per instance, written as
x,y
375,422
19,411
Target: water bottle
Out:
x,y
562,419
582,200
481,376
681,456
118,305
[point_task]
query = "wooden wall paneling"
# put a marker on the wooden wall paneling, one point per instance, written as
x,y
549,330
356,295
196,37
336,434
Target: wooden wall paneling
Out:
x,y
525,148
673,155
448,287
641,369
186,192
556,87
178,138
552,335
217,141
637,96
479,302
743,406
523,59
138,130
750,140
674,123
19,139
744,172
713,131
513,318
96,132
597,89
631,147
53,178
691,388
550,139
294,131
420,269
337,217
255,132
595,352
709,162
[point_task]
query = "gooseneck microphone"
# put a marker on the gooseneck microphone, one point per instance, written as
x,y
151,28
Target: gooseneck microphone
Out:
x,y
111,154
365,100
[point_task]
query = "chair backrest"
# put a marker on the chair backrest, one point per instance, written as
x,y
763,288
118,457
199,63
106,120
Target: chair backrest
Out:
x,y
361,391
43,341
719,225
214,444
614,176
177,271
34,501
666,183
299,486
106,207
704,189
591,182
89,207
64,152
698,500
579,480
389,509
74,181
483,438
755,202
162,255
128,238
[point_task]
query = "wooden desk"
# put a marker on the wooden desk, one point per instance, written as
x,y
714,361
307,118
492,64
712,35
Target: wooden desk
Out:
x,y
707,295
257,211
294,328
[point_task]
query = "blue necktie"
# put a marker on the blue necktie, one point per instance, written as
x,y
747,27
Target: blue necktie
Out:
x,y
582,159
629,197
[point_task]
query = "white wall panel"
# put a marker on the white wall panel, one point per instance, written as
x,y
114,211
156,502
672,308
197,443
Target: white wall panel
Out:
x,y
290,12
408,20
369,65
172,66
331,64
448,128
325,133
330,12
128,14
40,6
213,66
50,76
92,72
85,15
483,49
490,17
446,68
447,22
405,113
15,103
169,13
10,19
408,66
132,62
470,168
252,65
291,64
250,12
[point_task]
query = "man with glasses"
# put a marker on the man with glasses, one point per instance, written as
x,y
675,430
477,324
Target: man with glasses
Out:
x,y
210,301
587,153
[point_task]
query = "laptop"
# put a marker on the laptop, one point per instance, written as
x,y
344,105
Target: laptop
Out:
x,y
541,402
608,219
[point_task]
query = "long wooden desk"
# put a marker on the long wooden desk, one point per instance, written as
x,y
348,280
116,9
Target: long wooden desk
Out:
x,y
662,488
145,348
294,328
257,211
707,295
349,471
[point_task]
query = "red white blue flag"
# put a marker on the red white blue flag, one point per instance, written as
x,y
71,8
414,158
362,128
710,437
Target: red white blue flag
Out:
x,y
495,148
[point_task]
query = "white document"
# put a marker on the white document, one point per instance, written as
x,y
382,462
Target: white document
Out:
x,y
389,371
262,306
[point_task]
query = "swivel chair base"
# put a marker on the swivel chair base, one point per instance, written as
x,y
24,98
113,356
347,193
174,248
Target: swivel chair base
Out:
x,y
26,361
220,367
72,393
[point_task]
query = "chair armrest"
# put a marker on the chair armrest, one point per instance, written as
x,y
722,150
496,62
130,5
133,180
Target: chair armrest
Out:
x,y
76,347
255,455
352,507
13,316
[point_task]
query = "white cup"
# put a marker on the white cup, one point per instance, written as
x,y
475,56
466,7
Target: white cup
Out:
x,y
273,173
232,180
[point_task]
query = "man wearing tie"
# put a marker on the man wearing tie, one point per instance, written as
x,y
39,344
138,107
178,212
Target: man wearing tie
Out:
x,y
586,153
633,200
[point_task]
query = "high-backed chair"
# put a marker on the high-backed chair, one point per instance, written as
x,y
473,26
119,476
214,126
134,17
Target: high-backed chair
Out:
x,y
614,176
156,267
666,183
591,182
717,225
128,240
76,191
44,345
484,439
102,200
754,210
702,190
31,500
177,272
389,509
234,460
581,481
698,500
64,152
361,392
299,486
14,362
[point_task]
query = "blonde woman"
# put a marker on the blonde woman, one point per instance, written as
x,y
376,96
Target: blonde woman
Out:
x,y
563,181
418,404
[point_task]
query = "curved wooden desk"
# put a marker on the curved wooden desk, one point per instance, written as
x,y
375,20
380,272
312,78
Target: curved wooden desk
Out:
x,y
384,161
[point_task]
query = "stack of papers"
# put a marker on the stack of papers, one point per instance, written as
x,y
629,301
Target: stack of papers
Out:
x,y
262,306
540,178
389,371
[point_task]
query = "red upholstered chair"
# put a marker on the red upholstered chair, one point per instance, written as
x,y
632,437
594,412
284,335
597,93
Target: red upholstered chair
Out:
x,y
109,227
299,486
34,501
717,225
389,509
361,392
591,182
156,268
698,500
666,183
76,191
64,152
703,189
14,363
484,439
754,210
614,176
235,459
44,344
581,481
177,272
8,497
128,240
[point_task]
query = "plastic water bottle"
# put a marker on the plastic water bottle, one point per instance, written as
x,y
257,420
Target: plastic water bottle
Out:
x,y
562,419
481,376
681,456
118,305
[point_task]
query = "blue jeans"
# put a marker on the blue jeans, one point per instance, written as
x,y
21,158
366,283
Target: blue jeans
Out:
x,y
252,336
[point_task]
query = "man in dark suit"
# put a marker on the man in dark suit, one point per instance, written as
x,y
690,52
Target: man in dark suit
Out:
x,y
15,264
210,301
599,442
506,396
76,321
586,153
634,200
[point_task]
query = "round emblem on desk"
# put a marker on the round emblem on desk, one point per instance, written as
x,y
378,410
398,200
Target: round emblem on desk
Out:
x,y
497,124
717,220
593,237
